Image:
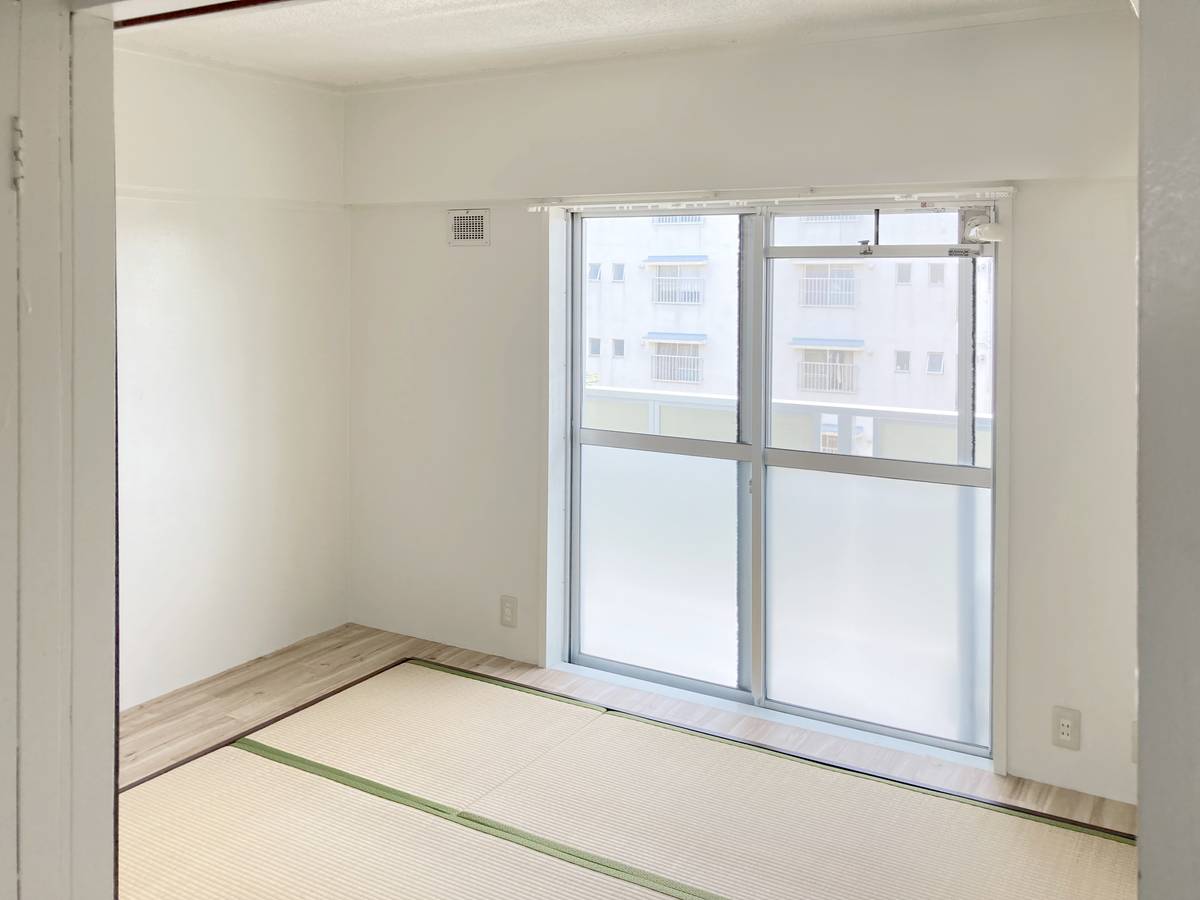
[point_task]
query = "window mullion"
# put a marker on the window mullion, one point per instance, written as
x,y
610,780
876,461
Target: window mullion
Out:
x,y
966,366
746,423
759,354
880,467
575,417
879,251
663,443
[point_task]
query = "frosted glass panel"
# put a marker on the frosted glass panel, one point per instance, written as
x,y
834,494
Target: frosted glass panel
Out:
x,y
658,562
878,601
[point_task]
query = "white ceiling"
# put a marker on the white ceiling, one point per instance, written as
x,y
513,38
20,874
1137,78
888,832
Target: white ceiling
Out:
x,y
356,42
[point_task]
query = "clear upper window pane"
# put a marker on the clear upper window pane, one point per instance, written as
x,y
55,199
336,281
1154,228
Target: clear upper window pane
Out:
x,y
824,229
878,601
918,227
674,312
840,229
864,355
658,562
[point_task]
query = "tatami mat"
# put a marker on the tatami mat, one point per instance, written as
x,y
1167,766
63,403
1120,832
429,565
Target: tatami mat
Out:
x,y
644,802
444,737
234,826
749,824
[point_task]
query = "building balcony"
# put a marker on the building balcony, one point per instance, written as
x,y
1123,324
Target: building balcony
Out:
x,y
828,377
679,369
823,291
686,290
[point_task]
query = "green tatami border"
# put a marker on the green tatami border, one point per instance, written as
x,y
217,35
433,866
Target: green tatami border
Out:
x,y
978,802
573,855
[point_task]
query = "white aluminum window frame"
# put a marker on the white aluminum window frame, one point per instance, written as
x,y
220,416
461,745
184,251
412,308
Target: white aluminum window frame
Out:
x,y
755,456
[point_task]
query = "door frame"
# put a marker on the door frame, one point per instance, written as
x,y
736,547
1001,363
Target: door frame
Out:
x,y
58,456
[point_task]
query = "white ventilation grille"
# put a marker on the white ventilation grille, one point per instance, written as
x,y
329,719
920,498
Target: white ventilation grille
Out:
x,y
469,226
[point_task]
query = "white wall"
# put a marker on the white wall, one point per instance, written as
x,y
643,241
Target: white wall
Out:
x,y
448,425
449,364
1073,531
232,247
1030,100
1169,491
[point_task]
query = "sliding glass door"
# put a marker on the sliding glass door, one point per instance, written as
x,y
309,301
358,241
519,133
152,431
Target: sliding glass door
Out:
x,y
781,485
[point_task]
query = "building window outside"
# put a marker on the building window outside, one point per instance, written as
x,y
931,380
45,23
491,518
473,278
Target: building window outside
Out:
x,y
618,272
903,362
618,348
832,371
828,285
593,346
682,285
676,362
937,363
593,271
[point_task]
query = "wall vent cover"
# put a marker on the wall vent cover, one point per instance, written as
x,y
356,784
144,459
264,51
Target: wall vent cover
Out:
x,y
469,226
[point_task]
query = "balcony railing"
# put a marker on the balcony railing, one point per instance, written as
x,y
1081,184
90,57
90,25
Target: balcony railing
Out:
x,y
822,290
834,378
679,289
832,217
678,220
669,367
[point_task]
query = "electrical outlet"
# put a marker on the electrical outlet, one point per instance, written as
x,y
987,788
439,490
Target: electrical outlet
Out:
x,y
1065,725
508,611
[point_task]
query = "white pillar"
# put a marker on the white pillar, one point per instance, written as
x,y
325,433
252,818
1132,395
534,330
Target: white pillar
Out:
x,y
57,455
1168,434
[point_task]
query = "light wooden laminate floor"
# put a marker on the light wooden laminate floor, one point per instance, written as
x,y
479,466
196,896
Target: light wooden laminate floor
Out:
x,y
178,726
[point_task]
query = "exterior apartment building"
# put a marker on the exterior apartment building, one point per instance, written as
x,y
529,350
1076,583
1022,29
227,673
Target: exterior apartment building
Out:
x,y
864,352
